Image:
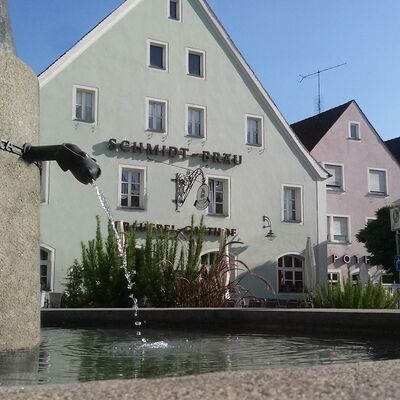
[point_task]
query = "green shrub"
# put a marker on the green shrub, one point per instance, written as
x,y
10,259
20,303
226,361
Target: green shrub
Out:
x,y
167,271
98,280
156,273
370,296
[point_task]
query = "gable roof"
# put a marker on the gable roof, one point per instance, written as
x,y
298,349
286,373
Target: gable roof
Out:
x,y
107,23
394,147
311,130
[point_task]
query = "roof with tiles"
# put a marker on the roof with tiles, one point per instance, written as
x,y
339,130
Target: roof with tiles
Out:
x,y
311,130
394,147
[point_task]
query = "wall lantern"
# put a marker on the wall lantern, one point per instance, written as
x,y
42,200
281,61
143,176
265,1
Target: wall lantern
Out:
x,y
267,225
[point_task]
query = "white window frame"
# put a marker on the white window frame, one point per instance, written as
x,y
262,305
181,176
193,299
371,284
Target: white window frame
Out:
x,y
165,116
227,198
202,55
330,232
383,194
290,269
233,271
260,119
164,45
203,128
178,8
358,130
44,182
143,187
300,214
334,189
339,277
391,276
368,219
50,265
355,274
95,92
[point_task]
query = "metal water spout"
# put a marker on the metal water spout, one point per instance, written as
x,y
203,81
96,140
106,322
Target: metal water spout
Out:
x,y
68,156
6,38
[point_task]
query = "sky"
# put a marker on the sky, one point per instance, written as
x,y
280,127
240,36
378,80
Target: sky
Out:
x,y
281,40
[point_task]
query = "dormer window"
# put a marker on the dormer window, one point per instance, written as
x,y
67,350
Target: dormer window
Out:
x,y
157,55
195,63
254,130
174,9
354,130
85,104
195,121
156,115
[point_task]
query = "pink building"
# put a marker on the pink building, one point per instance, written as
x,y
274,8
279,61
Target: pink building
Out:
x,y
365,176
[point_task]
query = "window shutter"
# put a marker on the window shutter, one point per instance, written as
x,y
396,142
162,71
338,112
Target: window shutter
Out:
x,y
377,180
335,181
340,229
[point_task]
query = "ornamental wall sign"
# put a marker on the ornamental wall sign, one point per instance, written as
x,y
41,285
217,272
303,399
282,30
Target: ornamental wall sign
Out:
x,y
125,146
142,226
184,183
202,197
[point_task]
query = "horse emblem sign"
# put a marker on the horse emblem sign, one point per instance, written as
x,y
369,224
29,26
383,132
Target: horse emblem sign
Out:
x,y
202,200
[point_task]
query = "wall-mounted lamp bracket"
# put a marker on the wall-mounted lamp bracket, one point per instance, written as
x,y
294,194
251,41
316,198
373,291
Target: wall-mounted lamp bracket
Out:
x,y
268,225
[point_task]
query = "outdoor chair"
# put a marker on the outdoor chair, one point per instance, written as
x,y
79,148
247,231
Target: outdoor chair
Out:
x,y
230,303
55,299
282,303
44,299
272,303
256,303
292,303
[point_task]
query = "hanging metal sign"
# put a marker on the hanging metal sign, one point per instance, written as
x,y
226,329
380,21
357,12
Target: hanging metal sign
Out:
x,y
202,199
185,182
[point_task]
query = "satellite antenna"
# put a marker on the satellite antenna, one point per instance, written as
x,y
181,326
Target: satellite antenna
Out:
x,y
319,81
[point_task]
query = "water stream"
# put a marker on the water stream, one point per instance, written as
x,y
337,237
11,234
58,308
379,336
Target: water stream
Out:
x,y
121,248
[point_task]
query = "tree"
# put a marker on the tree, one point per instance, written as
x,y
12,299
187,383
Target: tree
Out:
x,y
380,241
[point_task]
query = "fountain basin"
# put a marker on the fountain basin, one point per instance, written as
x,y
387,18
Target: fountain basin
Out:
x,y
369,380
99,344
232,319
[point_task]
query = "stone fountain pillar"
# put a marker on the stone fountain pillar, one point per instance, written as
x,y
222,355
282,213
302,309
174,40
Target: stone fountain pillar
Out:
x,y
19,199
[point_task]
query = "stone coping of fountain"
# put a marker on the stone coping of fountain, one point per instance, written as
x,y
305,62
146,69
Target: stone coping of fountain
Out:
x,y
231,319
367,380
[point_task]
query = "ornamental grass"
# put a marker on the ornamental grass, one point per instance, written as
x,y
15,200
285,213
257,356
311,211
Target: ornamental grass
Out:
x,y
355,295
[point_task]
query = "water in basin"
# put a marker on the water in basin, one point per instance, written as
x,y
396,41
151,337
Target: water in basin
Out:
x,y
75,355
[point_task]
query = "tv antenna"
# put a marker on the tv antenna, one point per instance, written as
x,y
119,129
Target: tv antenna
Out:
x,y
318,73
